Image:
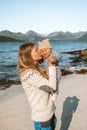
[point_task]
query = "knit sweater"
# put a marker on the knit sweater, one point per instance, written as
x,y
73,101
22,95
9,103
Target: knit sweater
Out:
x,y
40,101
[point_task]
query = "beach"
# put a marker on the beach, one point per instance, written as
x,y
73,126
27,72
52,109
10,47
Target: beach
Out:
x,y
71,106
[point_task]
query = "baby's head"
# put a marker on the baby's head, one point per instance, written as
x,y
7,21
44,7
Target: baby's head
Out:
x,y
45,48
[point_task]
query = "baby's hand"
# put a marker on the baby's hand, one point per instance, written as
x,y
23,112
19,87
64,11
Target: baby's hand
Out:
x,y
53,97
52,61
51,58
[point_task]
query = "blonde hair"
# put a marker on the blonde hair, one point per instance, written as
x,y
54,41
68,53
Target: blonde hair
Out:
x,y
25,60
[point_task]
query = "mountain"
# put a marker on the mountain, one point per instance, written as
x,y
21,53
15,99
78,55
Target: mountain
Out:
x,y
17,36
64,36
32,36
78,34
83,38
59,36
7,39
54,36
29,36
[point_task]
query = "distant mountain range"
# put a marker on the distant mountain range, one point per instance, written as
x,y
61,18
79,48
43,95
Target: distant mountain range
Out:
x,y
5,39
6,36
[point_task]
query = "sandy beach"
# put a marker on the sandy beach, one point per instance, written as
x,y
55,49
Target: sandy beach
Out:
x,y
71,106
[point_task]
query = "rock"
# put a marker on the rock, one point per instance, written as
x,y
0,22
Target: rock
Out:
x,y
82,71
76,59
17,82
4,80
2,87
84,52
82,55
66,72
7,82
73,52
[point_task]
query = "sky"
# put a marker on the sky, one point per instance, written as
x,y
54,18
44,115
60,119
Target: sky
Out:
x,y
43,16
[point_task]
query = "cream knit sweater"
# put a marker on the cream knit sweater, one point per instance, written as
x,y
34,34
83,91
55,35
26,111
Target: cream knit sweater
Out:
x,y
40,101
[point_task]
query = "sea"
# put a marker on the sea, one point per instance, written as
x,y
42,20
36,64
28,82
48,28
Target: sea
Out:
x,y
9,56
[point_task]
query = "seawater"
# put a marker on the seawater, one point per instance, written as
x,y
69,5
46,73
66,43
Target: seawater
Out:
x,y
9,55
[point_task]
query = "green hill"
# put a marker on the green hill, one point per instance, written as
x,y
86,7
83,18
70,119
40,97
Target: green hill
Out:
x,y
7,39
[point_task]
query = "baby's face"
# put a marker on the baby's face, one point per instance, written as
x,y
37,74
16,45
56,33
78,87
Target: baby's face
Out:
x,y
45,52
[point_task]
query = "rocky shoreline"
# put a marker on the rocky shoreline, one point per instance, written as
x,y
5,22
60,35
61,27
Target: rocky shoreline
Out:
x,y
80,55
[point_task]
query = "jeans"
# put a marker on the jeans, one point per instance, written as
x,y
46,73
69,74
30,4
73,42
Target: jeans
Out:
x,y
48,125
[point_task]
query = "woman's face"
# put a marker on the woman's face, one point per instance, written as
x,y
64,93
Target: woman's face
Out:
x,y
35,54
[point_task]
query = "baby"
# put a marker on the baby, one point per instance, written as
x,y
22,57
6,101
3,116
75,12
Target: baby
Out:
x,y
45,50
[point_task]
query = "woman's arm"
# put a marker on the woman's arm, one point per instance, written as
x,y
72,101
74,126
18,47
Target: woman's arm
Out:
x,y
34,78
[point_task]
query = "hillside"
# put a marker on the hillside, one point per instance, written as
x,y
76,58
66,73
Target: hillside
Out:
x,y
6,39
61,36
83,38
29,36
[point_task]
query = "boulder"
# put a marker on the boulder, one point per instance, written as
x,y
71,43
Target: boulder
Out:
x,y
80,55
5,83
84,55
76,59
82,71
66,72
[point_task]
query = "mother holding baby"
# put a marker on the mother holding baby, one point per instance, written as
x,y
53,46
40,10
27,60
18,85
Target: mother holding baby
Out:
x,y
38,86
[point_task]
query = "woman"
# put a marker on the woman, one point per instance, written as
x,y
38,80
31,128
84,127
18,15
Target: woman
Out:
x,y
34,80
